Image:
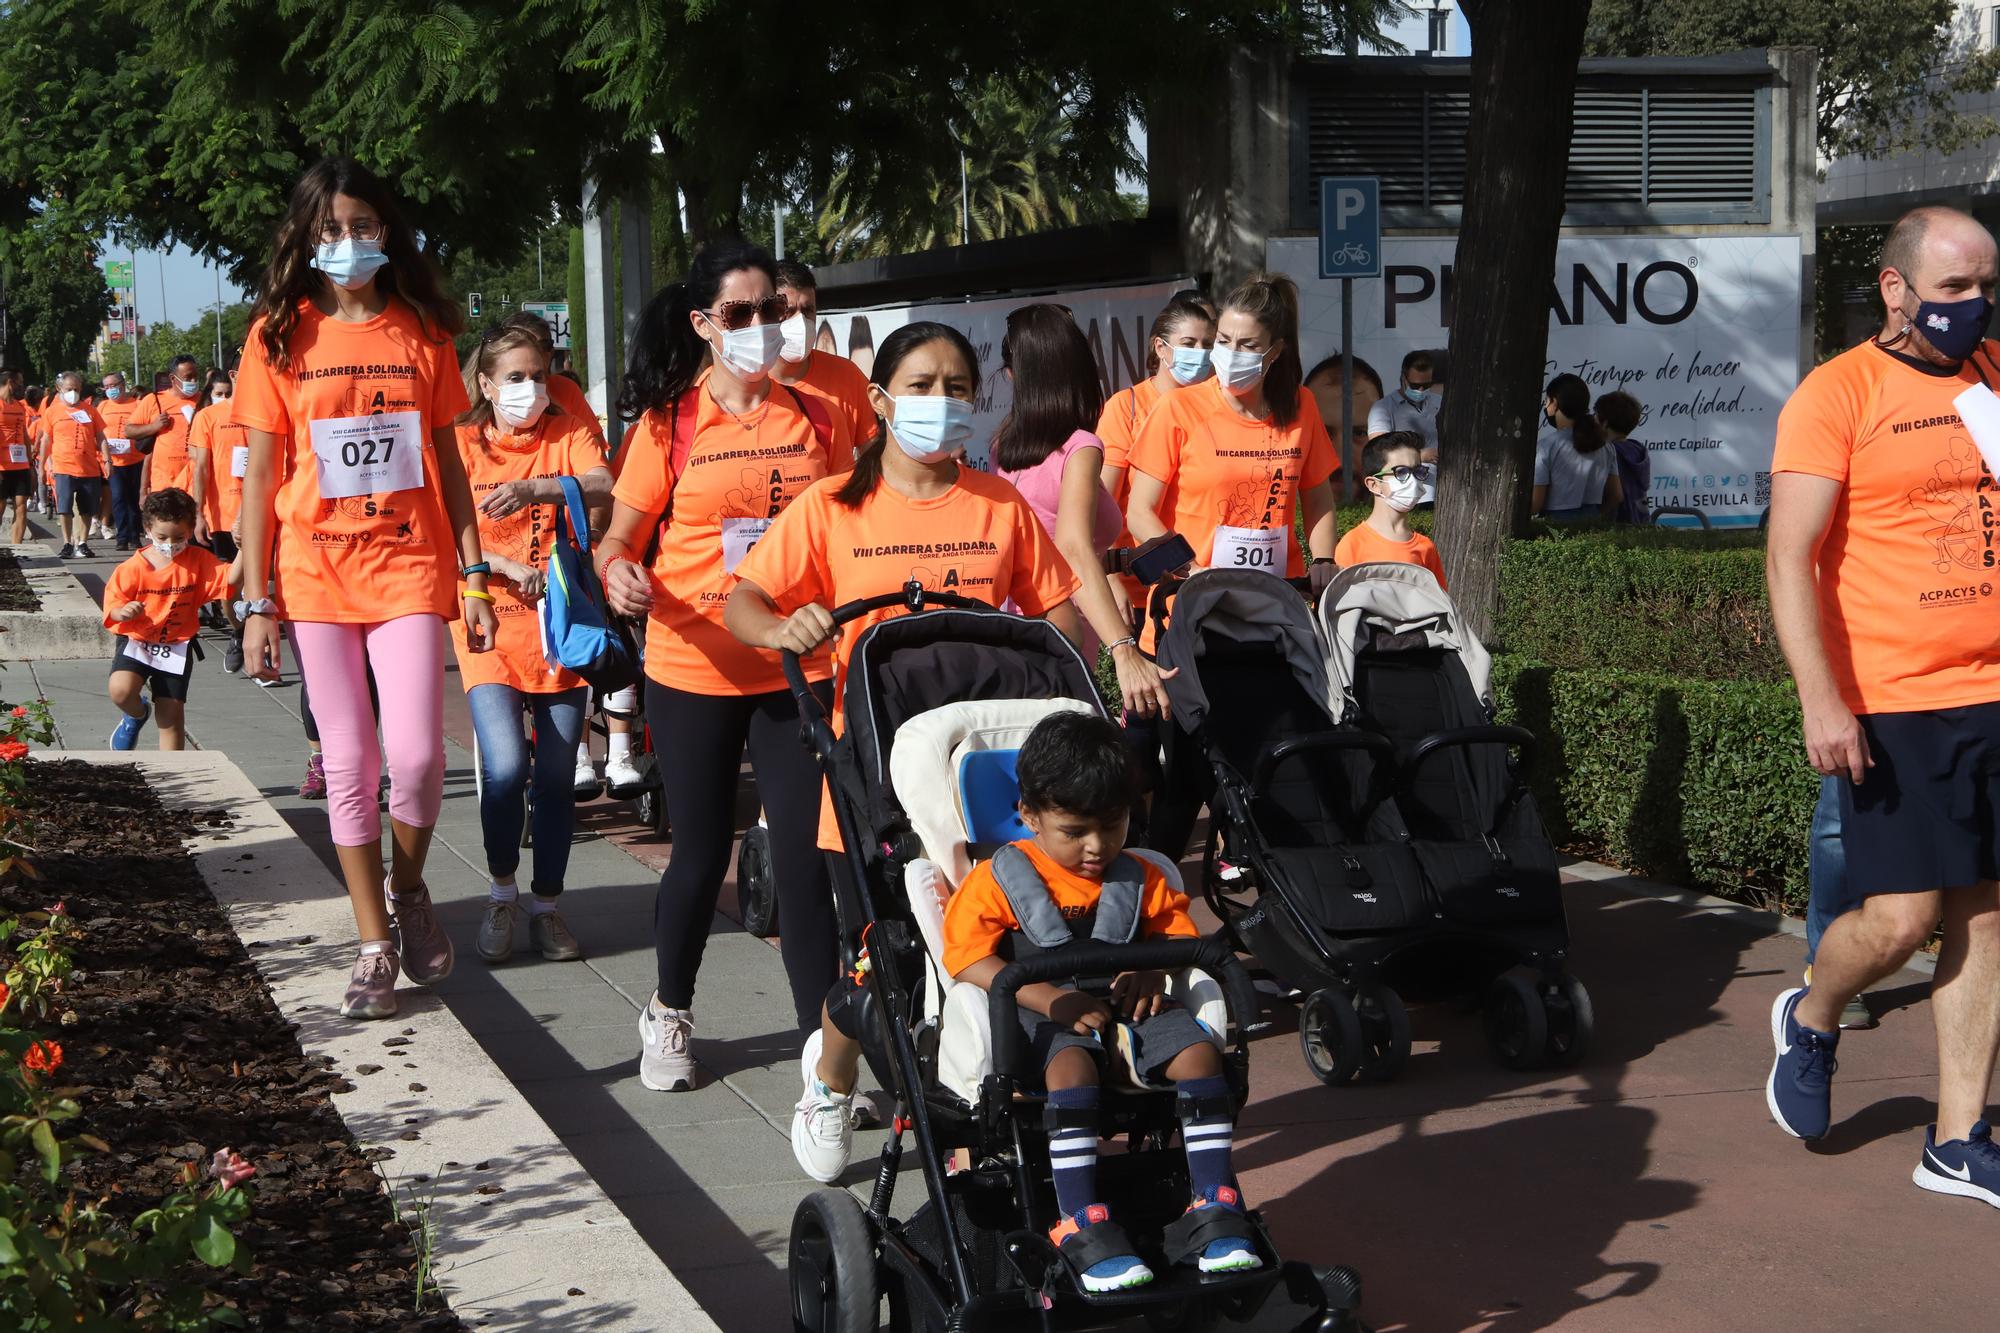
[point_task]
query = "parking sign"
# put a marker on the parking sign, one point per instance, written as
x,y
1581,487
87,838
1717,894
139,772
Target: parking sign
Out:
x,y
1350,227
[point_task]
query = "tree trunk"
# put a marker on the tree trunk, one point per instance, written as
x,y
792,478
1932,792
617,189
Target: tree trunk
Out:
x,y
1524,59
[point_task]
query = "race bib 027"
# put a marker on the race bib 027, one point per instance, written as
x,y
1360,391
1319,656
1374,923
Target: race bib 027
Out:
x,y
369,455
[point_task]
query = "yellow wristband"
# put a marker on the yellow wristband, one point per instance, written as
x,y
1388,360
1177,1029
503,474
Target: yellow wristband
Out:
x,y
474,592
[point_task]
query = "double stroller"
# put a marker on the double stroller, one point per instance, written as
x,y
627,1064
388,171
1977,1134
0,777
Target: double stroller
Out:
x,y
937,703
1371,830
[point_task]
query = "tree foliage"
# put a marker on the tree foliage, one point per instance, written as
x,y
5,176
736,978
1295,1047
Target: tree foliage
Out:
x,y
1890,71
56,297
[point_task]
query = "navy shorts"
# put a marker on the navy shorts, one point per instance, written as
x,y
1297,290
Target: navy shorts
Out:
x,y
1927,816
1155,1042
78,495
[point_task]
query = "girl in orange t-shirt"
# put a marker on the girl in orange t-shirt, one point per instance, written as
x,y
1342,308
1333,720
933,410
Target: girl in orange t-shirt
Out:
x,y
348,372
747,447
909,510
516,445
17,454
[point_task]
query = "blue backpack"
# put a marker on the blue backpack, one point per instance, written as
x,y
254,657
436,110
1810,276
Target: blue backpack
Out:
x,y
578,629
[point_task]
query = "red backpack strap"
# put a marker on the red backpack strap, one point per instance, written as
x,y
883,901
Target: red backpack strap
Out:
x,y
814,411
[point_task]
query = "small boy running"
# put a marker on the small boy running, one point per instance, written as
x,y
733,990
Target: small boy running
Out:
x,y
152,602
1393,470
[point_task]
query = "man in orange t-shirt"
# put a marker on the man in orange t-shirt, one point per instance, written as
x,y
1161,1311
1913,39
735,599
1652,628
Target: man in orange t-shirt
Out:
x,y
128,463
167,418
823,374
75,435
1882,560
17,453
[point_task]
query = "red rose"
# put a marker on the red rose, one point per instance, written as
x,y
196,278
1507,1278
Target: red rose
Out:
x,y
13,751
44,1057
20,710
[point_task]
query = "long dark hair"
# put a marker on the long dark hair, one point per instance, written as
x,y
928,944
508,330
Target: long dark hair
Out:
x,y
1056,389
861,482
1272,299
291,277
1572,397
1179,309
667,354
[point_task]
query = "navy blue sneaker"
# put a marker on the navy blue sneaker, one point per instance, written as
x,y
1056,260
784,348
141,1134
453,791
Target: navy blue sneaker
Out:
x,y
1969,1166
125,736
1800,1089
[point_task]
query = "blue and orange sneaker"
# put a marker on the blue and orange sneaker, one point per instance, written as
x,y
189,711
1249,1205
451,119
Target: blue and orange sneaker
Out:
x,y
1968,1167
1099,1251
1233,1253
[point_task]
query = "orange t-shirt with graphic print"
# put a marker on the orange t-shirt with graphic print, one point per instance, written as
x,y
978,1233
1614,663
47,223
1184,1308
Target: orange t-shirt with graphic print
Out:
x,y
979,539
228,449
979,918
171,464
172,595
1363,545
362,391
557,445
72,434
839,383
17,449
114,412
1909,572
740,475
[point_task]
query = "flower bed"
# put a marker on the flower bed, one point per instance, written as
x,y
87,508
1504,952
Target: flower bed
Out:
x,y
15,594
173,1161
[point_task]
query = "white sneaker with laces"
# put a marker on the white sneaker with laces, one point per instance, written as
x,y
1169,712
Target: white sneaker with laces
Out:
x,y
621,774
665,1064
823,1123
584,783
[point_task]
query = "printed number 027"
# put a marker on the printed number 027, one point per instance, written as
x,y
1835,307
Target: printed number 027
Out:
x,y
361,453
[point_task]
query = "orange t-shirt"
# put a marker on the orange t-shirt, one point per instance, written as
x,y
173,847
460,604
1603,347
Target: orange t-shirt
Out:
x,y
114,412
72,433
558,445
1909,602
978,918
1363,545
741,473
172,596
217,434
979,539
366,390
1124,413
17,450
1223,470
567,394
171,464
841,385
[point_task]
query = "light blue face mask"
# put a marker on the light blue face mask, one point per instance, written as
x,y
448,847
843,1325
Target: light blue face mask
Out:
x,y
1191,365
114,393
1416,397
927,427
348,262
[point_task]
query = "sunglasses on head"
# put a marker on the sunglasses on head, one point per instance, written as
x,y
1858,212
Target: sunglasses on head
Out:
x,y
733,315
1404,471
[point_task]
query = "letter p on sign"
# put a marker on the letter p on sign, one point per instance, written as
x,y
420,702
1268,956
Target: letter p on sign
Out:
x,y
1350,227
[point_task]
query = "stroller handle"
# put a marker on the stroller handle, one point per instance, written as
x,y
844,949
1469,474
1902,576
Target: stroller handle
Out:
x,y
913,595
1210,954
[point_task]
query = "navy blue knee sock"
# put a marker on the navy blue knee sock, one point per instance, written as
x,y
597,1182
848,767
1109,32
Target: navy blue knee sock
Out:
x,y
1073,1152
1208,1137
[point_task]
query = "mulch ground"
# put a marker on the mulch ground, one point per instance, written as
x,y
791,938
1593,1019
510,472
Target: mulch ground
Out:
x,y
176,1050
15,594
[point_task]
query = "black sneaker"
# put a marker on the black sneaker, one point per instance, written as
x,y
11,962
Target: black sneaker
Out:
x,y
124,546
68,552
84,552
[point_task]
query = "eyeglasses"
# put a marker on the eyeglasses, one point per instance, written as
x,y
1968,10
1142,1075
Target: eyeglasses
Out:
x,y
363,229
734,315
1423,472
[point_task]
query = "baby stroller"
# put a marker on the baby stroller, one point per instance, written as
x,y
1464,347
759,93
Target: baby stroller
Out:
x,y
1371,834
937,702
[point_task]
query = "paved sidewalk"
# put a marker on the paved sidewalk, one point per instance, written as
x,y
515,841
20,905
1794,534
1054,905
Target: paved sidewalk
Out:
x,y
1647,1190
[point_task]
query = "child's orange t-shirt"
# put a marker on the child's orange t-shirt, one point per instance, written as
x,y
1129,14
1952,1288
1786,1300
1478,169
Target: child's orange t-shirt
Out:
x,y
362,534
979,917
1363,545
172,596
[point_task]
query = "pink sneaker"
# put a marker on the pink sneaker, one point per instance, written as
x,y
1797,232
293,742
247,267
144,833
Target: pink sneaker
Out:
x,y
426,949
314,786
371,991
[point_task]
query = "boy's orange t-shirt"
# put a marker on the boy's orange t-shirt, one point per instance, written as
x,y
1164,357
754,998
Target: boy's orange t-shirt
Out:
x,y
72,433
840,384
171,464
217,433
366,389
17,450
172,596
1363,545
740,475
1909,572
978,918
115,412
557,445
979,539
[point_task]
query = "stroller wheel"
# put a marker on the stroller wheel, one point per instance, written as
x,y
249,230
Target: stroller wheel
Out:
x,y
1331,1037
1517,1022
832,1266
1385,1027
756,894
651,807
1572,1020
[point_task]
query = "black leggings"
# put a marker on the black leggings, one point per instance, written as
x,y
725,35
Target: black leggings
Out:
x,y
698,742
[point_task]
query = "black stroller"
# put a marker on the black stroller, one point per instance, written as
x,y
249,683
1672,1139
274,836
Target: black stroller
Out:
x,y
1371,833
975,1253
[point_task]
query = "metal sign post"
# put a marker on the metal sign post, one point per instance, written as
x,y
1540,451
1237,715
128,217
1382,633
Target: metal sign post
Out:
x,y
1350,247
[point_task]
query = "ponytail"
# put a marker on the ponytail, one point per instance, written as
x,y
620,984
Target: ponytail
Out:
x,y
1572,399
667,355
1272,299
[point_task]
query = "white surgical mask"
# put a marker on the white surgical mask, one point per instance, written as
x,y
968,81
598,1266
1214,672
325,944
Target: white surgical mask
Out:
x,y
794,347
170,549
521,402
1239,371
928,427
1405,495
1190,365
71,396
348,262
752,350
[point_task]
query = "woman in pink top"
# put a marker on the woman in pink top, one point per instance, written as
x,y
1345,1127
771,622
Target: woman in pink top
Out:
x,y
1045,448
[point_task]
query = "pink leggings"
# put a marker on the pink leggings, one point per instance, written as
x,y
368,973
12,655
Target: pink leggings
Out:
x,y
408,653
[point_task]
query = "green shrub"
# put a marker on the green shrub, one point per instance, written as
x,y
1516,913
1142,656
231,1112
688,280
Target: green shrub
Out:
x,y
1698,782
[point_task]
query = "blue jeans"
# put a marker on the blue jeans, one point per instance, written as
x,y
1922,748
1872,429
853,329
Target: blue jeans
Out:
x,y
125,504
1826,866
503,754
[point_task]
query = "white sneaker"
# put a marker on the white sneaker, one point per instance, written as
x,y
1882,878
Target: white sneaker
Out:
x,y
585,781
664,1062
622,775
823,1123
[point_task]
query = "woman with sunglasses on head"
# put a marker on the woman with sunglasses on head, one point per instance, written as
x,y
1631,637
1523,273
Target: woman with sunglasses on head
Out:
x,y
349,379
717,452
